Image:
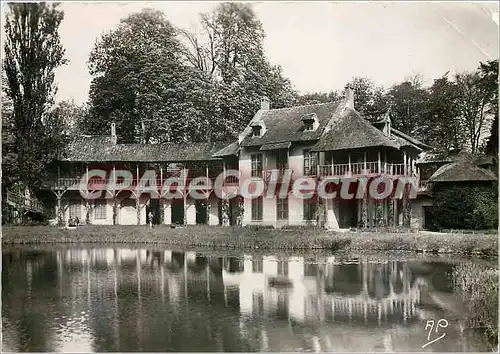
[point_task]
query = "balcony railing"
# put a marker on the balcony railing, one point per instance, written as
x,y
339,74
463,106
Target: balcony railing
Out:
x,y
362,169
19,200
68,183
422,185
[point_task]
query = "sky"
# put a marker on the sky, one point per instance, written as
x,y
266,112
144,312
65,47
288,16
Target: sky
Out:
x,y
320,45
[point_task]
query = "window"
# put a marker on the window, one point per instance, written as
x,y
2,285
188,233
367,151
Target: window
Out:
x,y
74,210
257,209
310,163
100,209
257,265
283,268
310,206
309,126
256,131
257,165
282,159
282,208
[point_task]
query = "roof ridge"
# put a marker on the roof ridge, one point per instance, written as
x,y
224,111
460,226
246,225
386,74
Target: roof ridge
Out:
x,y
304,105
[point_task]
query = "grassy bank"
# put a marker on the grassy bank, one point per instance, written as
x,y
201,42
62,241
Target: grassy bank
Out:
x,y
248,238
478,287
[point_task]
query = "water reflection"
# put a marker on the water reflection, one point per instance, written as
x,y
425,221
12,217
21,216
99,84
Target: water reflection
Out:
x,y
161,300
328,291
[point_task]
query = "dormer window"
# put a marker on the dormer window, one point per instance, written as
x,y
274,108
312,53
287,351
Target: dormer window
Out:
x,y
258,129
310,122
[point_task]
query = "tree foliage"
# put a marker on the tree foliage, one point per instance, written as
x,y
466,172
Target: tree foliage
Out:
x,y
408,103
465,207
32,53
488,73
229,53
141,83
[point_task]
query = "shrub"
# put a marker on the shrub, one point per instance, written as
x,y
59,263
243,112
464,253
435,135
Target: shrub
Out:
x,y
478,288
465,206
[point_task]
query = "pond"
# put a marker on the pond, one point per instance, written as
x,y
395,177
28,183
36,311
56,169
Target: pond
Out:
x,y
98,299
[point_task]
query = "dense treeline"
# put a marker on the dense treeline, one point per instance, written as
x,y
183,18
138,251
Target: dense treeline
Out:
x,y
159,83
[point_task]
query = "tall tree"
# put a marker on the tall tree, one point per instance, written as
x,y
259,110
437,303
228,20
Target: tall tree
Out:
x,y
370,100
70,115
409,106
472,101
318,97
229,52
32,53
140,81
489,81
444,126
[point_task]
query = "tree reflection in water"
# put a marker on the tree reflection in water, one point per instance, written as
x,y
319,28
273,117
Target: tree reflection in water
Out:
x,y
161,300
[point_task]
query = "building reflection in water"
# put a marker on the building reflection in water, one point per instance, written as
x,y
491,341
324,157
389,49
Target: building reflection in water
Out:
x,y
328,290
126,293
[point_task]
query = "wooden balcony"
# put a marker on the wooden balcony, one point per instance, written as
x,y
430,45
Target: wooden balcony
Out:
x,y
21,202
67,183
364,169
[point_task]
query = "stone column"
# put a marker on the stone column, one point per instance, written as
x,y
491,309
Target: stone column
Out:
x,y
88,210
59,210
138,209
390,212
225,212
406,211
379,213
162,211
167,211
115,211
185,208
364,211
241,211
208,208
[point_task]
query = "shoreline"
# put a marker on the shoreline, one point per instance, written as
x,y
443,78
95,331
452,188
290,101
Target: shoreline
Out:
x,y
300,239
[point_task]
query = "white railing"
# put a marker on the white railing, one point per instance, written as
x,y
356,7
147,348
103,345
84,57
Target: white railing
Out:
x,y
362,168
27,203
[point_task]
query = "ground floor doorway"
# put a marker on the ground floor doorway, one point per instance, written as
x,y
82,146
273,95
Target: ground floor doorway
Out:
x,y
177,211
154,209
201,212
348,213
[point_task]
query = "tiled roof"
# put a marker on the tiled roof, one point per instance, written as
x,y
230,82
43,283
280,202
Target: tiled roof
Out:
x,y
101,149
286,124
352,131
462,171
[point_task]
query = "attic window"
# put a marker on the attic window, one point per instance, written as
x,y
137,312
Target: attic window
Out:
x,y
310,122
256,131
309,126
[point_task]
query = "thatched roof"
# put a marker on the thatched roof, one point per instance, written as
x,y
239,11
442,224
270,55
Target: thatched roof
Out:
x,y
462,171
229,150
286,125
411,140
352,131
101,149
430,158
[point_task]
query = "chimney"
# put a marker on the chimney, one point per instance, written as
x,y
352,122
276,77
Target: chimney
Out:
x,y
349,96
264,103
113,133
